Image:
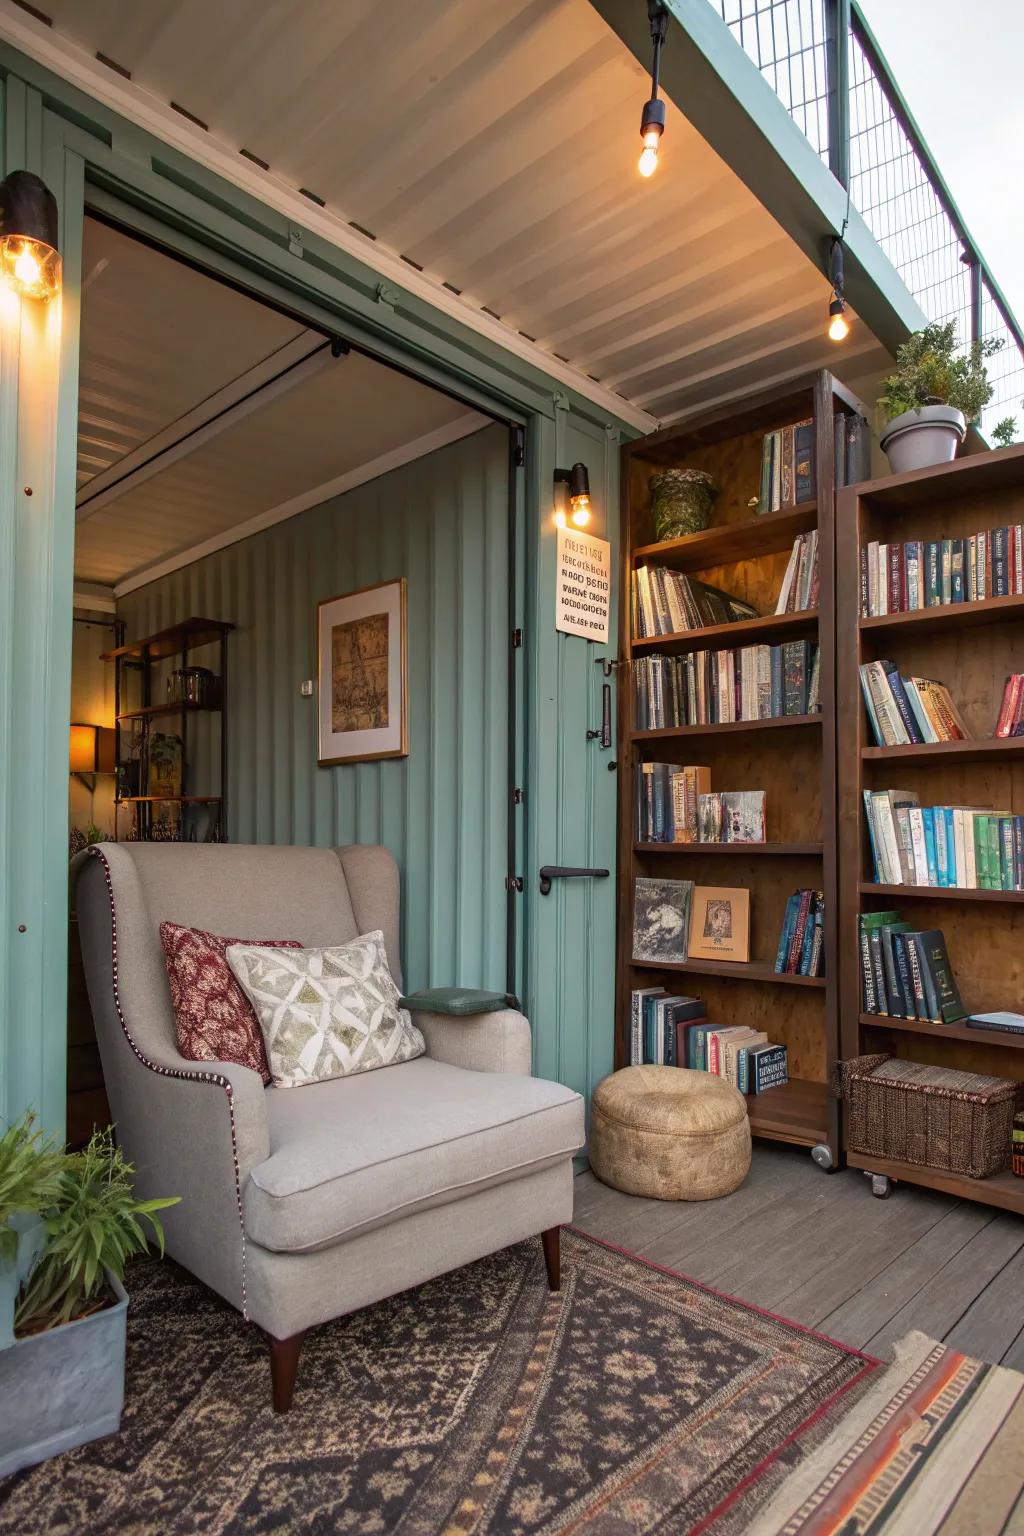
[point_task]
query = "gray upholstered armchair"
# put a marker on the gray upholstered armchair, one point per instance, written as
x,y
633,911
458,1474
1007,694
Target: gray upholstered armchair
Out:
x,y
301,1204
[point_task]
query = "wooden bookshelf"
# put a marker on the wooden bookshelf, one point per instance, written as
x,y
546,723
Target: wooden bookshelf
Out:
x,y
792,758
971,647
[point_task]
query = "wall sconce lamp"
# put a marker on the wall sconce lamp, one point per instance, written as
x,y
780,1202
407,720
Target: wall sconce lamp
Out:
x,y
578,481
652,121
29,258
93,751
838,325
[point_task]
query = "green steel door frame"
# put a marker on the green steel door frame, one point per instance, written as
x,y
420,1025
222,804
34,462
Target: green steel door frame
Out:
x,y
92,158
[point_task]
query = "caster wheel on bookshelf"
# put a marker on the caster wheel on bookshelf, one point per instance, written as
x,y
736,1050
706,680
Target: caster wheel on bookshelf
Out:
x,y
881,1186
822,1155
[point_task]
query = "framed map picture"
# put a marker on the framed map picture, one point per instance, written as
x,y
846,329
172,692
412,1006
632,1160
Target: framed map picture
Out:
x,y
361,675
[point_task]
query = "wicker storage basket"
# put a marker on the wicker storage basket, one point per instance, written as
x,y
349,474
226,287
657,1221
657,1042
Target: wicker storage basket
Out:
x,y
933,1117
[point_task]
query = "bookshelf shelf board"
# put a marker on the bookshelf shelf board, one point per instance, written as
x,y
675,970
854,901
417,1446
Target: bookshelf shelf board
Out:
x,y
668,732
150,711
771,626
936,892
190,634
742,970
990,610
794,1112
1002,1189
168,800
731,543
805,850
943,1031
943,751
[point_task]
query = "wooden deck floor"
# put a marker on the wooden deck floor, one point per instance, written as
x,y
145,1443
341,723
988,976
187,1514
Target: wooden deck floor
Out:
x,y
820,1249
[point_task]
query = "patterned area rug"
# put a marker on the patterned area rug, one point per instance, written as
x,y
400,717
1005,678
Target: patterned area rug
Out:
x,y
936,1445
635,1401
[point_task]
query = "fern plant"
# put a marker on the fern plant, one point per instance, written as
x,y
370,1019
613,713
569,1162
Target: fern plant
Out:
x,y
29,1178
1004,433
93,1224
930,370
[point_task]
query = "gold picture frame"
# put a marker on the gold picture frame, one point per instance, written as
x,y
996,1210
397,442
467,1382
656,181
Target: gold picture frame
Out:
x,y
362,675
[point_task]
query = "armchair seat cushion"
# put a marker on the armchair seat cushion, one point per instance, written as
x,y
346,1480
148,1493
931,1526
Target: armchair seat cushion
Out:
x,y
363,1151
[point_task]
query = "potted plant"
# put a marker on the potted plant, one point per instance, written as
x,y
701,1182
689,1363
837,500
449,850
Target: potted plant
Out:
x,y
29,1173
932,395
62,1374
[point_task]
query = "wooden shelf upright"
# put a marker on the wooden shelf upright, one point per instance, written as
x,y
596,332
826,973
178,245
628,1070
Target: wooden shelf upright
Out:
x,y
971,647
793,761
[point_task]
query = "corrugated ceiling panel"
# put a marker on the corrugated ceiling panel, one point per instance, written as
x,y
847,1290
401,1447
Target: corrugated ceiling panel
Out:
x,y
349,413
495,145
157,338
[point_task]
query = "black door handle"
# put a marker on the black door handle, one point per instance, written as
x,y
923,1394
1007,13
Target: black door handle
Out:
x,y
564,872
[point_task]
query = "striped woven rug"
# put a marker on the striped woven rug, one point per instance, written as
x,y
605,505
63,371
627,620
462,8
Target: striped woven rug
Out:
x,y
934,1445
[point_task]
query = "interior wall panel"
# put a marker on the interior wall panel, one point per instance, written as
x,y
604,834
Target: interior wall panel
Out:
x,y
442,523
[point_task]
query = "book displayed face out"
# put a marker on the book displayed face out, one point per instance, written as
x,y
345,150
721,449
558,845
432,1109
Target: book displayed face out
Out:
x,y
720,923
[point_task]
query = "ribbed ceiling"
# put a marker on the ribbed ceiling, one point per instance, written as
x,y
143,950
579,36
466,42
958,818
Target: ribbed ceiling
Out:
x,y
494,146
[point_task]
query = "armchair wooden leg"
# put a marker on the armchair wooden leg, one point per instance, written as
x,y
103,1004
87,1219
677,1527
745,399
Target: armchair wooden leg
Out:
x,y
284,1364
552,1257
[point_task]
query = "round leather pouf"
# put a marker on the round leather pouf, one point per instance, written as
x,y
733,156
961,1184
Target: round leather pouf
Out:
x,y
669,1133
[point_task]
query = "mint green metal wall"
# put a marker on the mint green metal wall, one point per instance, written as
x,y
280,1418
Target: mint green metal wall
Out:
x,y
442,523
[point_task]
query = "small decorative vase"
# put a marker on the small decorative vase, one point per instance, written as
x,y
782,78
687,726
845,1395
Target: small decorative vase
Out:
x,y
681,502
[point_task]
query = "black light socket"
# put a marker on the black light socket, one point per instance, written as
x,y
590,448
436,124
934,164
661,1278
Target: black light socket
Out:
x,y
28,208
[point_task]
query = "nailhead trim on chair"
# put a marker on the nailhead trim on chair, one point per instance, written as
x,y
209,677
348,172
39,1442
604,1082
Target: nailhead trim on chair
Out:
x,y
196,1077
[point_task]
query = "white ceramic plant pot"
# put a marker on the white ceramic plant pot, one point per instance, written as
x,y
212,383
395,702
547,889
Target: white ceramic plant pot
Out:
x,y
930,435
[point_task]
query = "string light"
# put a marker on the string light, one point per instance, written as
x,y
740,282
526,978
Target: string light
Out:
x,y
838,325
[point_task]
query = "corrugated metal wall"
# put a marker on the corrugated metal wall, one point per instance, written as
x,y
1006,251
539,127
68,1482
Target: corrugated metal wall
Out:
x,y
442,523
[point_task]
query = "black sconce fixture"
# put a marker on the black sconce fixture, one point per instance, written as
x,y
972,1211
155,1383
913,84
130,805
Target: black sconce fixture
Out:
x,y
652,122
578,481
838,325
29,258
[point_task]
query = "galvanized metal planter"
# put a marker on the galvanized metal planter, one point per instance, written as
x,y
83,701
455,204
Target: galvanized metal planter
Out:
x,y
64,1387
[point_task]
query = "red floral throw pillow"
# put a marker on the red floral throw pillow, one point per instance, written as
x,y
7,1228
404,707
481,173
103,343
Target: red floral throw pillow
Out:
x,y
212,1015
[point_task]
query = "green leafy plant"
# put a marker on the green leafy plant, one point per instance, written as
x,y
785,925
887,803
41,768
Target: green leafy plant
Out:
x,y
29,1178
93,1224
1004,433
930,370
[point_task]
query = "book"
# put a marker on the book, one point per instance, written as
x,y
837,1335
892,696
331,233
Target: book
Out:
x,y
787,467
720,923
906,972
666,602
661,919
636,1022
801,946
768,1066
754,682
1005,1021
800,587
933,572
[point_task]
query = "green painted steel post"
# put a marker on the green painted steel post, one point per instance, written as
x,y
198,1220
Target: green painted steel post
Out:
x,y
837,75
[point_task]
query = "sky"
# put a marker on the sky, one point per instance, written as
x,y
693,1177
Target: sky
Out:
x,y
958,64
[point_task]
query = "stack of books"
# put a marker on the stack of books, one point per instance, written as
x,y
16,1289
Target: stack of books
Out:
x,y
899,578
801,950
658,1022
674,804
759,682
787,467
852,448
1005,1022
800,585
666,603
960,846
744,1057
905,972
908,709
1011,711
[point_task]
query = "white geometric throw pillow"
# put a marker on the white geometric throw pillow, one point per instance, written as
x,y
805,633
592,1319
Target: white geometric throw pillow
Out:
x,y
326,1012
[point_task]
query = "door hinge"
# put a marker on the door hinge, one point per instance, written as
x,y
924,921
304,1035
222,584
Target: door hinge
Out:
x,y
518,447
513,882
517,639
518,796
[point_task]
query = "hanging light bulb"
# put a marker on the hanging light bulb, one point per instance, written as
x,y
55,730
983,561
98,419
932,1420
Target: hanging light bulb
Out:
x,y
652,122
578,481
30,263
838,325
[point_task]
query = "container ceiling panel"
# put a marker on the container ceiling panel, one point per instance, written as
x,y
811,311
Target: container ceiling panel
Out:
x,y
494,146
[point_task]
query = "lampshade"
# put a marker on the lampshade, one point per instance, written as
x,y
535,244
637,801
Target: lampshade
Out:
x,y
93,749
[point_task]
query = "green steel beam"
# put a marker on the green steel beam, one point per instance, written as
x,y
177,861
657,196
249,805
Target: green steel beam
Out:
x,y
706,73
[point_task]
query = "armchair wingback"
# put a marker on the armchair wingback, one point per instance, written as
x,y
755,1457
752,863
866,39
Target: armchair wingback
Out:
x,y
301,1204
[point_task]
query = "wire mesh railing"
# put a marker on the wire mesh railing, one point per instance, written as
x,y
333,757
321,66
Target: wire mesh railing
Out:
x,y
893,182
